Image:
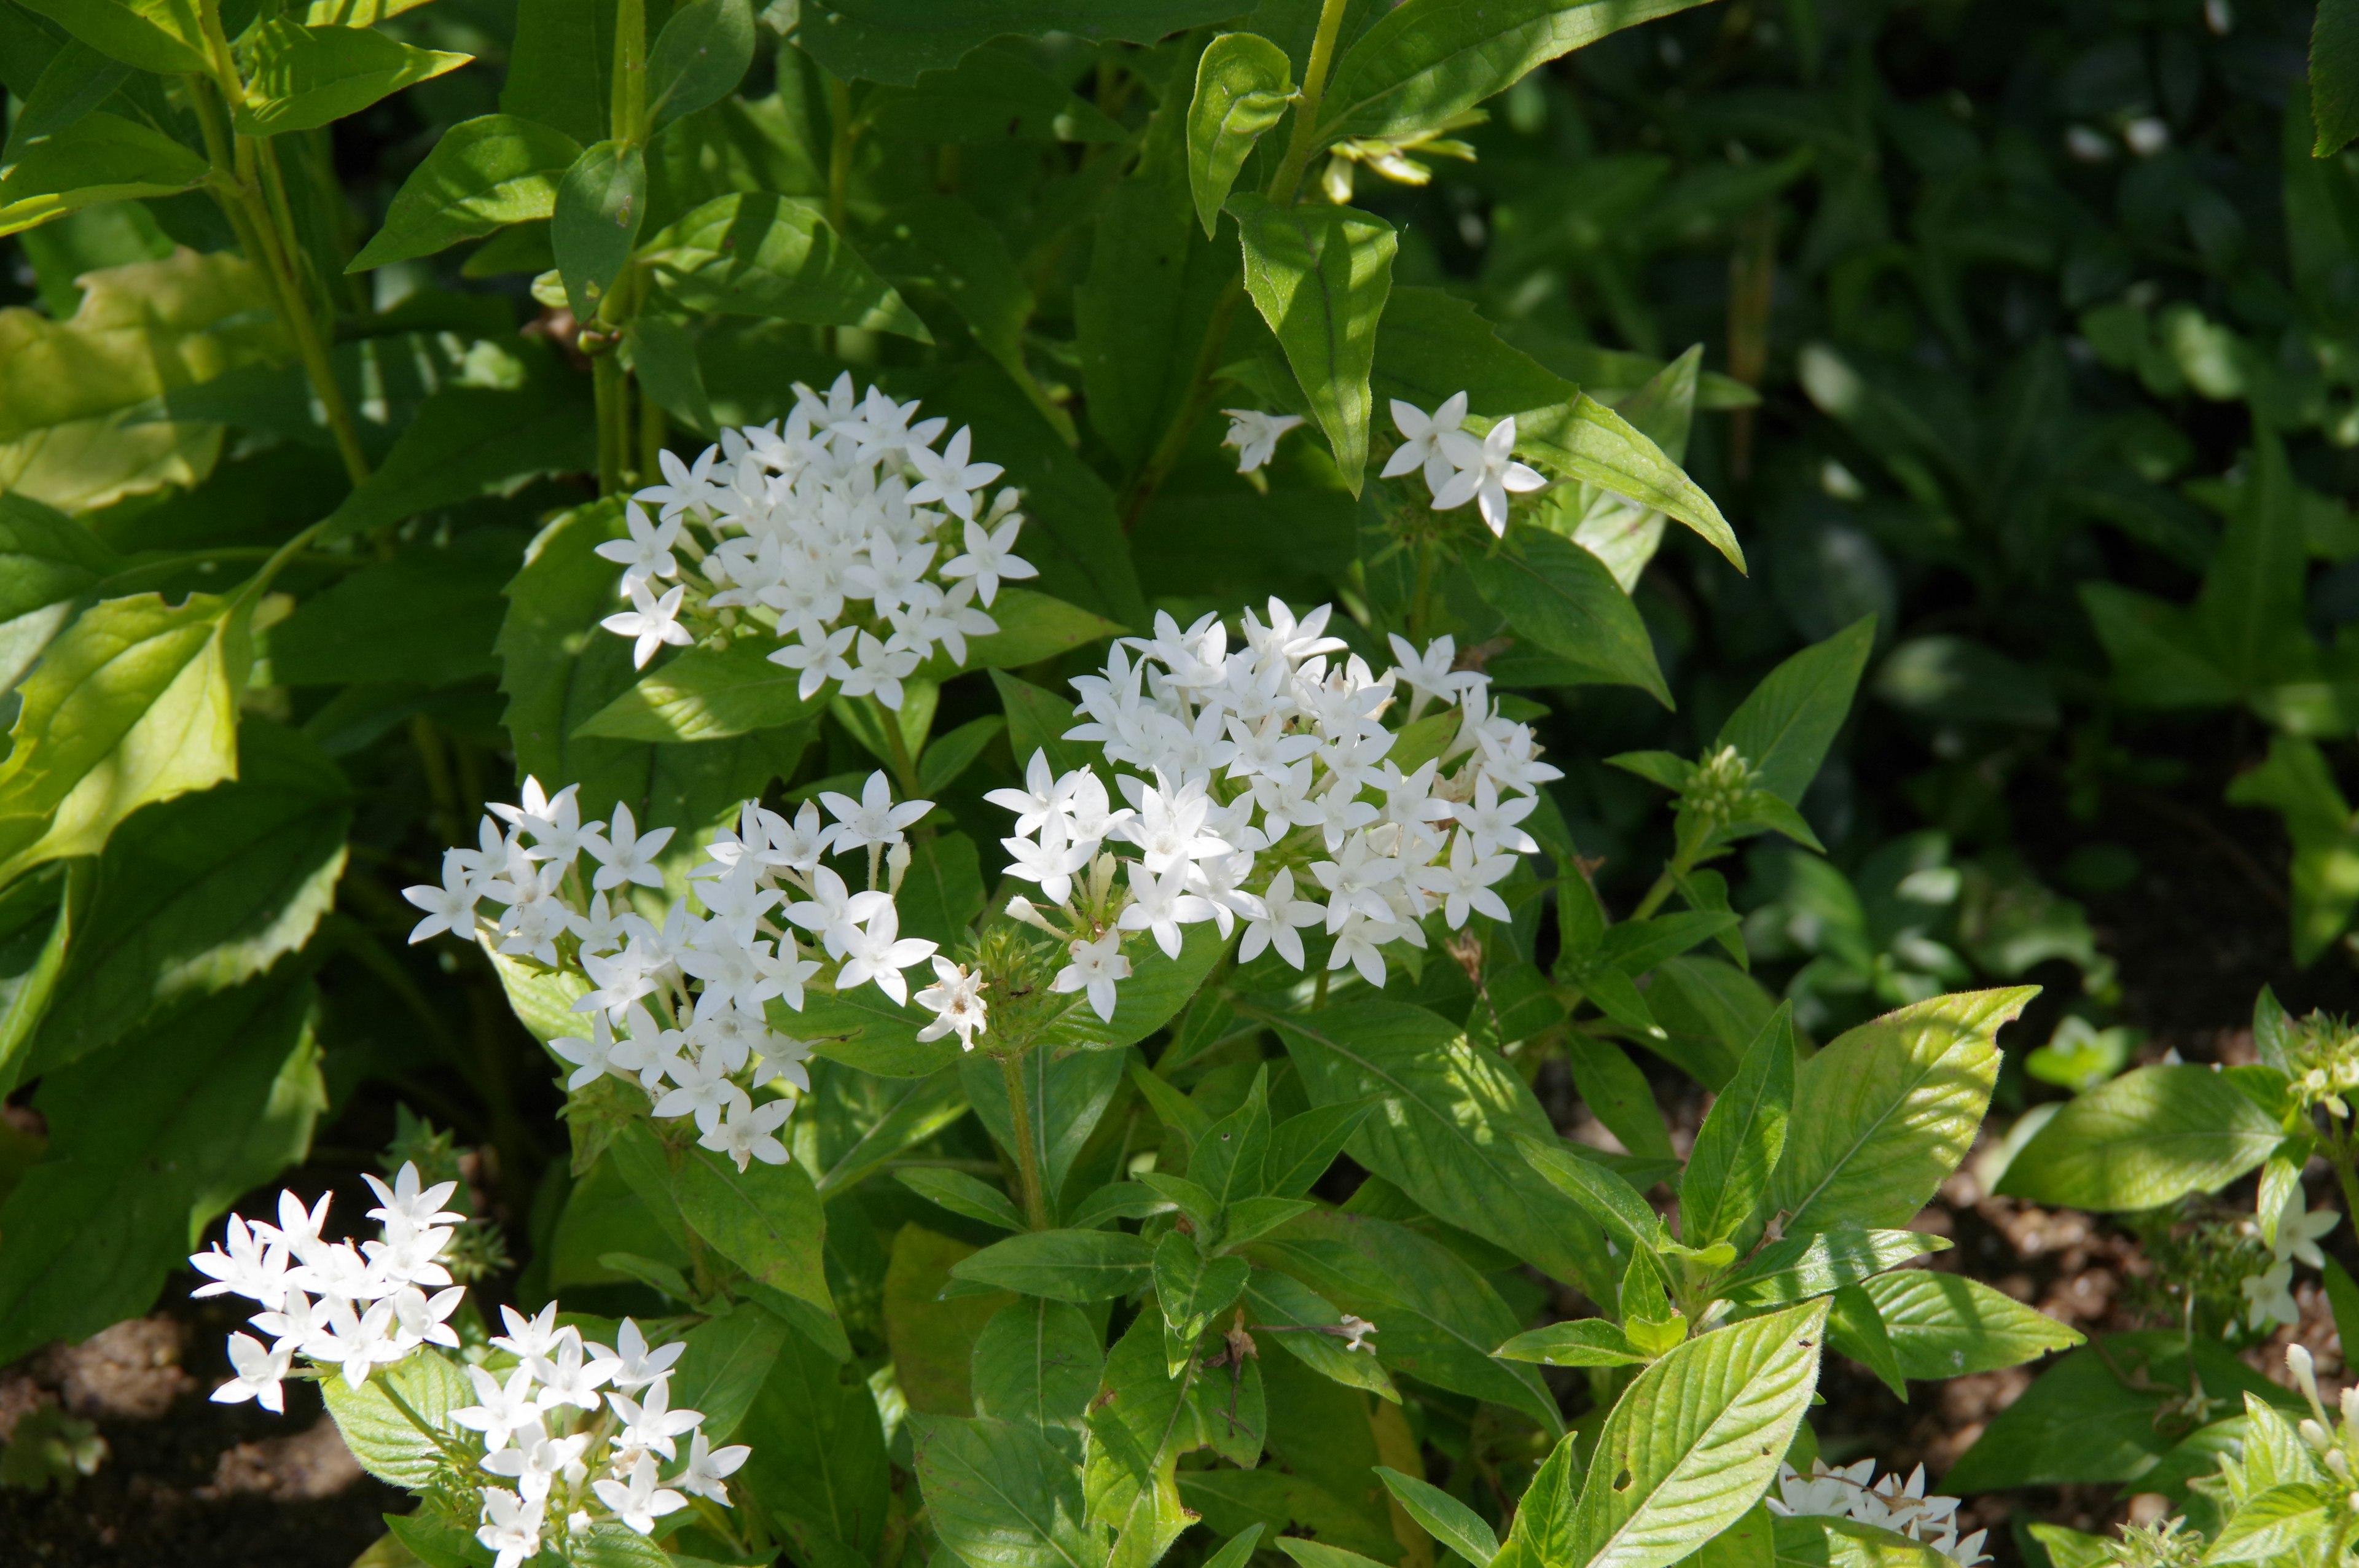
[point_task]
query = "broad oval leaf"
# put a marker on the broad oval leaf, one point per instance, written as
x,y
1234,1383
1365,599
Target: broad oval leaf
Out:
x,y
162,36
775,257
48,561
2147,1138
1586,440
722,1371
1000,1495
1805,1265
386,1442
1319,275
1946,1326
1737,1148
1244,84
303,78
767,1221
699,58
1075,1266
1558,594
706,694
1884,1114
1696,1440
601,202
482,174
1036,1364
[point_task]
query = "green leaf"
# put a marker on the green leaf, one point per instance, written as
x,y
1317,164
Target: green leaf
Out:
x,y
2094,1416
1800,1267
947,759
2274,1525
1192,1289
468,441
1695,1442
1884,1114
200,894
303,78
1615,1091
133,703
819,1448
1584,1342
1302,1147
1077,1266
386,1442
1946,1326
1619,1209
1433,344
2147,1138
1319,1554
482,175
991,98
920,1111
1430,60
1814,1541
663,356
755,254
706,694
2251,610
722,1371
1158,989
594,222
429,616
1558,594
48,561
2334,75
2160,659
898,41
1319,275
1737,1148
1000,1495
941,897
1244,86
1435,1319
1444,1129
99,158
611,1544
1066,1093
1037,1365
1037,721
2296,782
149,1142
1785,727
699,58
767,1221
1032,627
1585,440
1856,1329
1140,1422
161,36
963,1195
1281,1301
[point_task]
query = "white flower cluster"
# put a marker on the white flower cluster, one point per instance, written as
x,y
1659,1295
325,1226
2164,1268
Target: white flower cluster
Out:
x,y
355,1308
824,535
1458,466
679,1006
1848,1491
329,1301
1253,764
2270,1292
578,1429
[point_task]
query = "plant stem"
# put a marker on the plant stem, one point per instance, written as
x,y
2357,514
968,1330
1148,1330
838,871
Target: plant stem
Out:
x,y
1298,142
612,397
2341,1155
630,84
1027,1156
838,154
904,766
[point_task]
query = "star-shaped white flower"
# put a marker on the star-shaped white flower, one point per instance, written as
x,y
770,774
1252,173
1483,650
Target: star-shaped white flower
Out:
x,y
1256,435
653,622
988,558
626,855
648,552
1487,472
948,479
1421,440
259,1372
1096,966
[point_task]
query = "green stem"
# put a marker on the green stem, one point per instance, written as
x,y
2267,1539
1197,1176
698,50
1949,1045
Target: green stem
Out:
x,y
1299,141
1027,1156
611,398
904,766
630,86
2345,1161
433,1435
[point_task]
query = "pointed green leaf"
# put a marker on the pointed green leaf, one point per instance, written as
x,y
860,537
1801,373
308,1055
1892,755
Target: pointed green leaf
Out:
x,y
482,174
594,222
1557,595
1319,275
162,36
1946,1326
2147,1138
1077,1266
1785,727
99,158
1584,1342
1743,1135
699,58
1244,84
1800,1267
1585,440
775,257
1000,1497
303,78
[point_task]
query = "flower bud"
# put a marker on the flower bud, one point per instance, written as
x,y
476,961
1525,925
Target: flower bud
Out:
x,y
896,865
2304,1370
1020,908
2315,1436
2339,1463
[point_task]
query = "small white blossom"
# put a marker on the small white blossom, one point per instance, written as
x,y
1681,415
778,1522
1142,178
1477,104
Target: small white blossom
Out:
x,y
650,621
1256,435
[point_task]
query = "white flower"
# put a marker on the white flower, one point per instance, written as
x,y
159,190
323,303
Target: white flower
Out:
x,y
704,1092
707,1465
1282,916
452,906
881,669
2271,1296
648,552
408,1201
501,1409
1095,968
511,1527
1487,471
988,558
653,622
641,1502
1492,824
652,1423
256,1264
593,1057
955,999
684,485
1053,862
1422,436
820,659
873,819
879,952
1359,942
1256,435
2298,1232
947,481
636,1366
530,1336
747,1135
258,1374
626,855
1465,885
834,911
535,1462
565,1379
1161,905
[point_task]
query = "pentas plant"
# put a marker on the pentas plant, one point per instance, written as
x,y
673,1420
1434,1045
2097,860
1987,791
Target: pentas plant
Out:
x,y
566,1439
843,535
1851,1491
